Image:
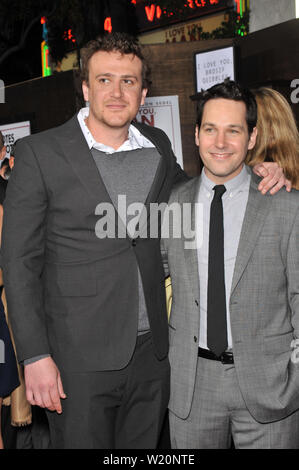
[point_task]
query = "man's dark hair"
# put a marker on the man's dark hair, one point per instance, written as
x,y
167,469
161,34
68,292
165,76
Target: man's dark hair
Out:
x,y
229,90
114,42
1,141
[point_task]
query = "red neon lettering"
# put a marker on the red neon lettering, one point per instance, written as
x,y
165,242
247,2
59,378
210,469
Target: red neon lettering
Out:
x,y
238,5
133,1
108,24
190,3
150,12
43,20
212,2
158,12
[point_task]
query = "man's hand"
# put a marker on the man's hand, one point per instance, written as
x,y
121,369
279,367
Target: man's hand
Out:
x,y
43,384
273,177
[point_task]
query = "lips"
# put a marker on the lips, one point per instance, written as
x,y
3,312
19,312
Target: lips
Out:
x,y
221,156
116,105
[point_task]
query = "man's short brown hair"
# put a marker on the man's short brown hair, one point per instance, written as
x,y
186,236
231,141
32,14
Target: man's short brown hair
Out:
x,y
114,42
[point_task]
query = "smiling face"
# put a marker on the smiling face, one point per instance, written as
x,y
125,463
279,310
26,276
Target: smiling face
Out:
x,y
223,138
114,90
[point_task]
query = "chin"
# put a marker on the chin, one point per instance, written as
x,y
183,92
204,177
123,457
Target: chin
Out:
x,y
117,121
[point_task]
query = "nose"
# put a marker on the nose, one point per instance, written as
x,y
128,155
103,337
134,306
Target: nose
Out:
x,y
116,89
220,141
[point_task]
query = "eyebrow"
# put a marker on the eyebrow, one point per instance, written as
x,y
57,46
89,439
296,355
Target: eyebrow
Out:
x,y
112,75
211,124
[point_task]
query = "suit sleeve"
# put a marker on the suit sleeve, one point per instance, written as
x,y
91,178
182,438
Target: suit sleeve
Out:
x,y
179,175
167,232
23,246
293,274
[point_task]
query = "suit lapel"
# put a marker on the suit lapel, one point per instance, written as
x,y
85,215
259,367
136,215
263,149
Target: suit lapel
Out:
x,y
159,178
256,212
76,150
161,169
81,160
189,194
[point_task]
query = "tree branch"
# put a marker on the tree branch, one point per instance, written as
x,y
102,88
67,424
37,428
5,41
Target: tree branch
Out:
x,y
21,44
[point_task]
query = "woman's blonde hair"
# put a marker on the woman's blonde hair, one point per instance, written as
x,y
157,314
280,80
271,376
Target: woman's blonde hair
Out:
x,y
278,137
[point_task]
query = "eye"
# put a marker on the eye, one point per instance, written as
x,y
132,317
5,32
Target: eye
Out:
x,y
128,81
234,131
103,80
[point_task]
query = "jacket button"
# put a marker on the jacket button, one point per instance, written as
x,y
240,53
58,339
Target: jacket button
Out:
x,y
134,243
195,339
196,302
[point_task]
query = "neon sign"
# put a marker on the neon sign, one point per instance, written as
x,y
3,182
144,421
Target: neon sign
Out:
x,y
108,24
46,69
150,12
152,15
192,4
68,36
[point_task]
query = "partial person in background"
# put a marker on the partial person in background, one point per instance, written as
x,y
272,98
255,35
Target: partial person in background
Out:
x,y
23,427
11,160
4,167
9,379
277,137
3,182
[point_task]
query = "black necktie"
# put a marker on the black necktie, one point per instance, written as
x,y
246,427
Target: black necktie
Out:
x,y
217,330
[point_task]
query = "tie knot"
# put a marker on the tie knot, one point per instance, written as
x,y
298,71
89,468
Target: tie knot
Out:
x,y
219,191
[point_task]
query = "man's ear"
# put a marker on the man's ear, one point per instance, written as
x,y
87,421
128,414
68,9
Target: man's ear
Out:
x,y
252,139
197,135
85,90
143,96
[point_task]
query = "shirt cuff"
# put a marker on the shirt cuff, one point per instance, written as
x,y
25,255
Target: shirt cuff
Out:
x,y
31,360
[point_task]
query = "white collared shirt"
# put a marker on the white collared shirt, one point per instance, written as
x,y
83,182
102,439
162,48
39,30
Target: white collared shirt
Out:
x,y
234,205
135,139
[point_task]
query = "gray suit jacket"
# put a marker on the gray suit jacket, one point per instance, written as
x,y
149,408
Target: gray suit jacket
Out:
x,y
264,306
70,293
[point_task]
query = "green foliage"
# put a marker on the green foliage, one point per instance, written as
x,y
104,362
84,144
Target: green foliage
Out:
x,y
15,18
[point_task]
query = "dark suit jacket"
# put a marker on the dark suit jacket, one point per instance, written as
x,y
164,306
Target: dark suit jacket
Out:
x,y
70,293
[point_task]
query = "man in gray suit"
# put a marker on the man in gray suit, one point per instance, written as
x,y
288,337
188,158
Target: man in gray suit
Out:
x,y
235,306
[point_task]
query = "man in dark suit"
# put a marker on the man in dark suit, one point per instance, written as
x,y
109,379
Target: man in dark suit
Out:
x,y
88,310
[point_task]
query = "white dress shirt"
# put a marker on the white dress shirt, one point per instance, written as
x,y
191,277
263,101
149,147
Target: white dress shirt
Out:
x,y
234,205
135,139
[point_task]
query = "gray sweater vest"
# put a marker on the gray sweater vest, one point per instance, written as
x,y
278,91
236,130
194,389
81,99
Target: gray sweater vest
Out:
x,y
129,174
